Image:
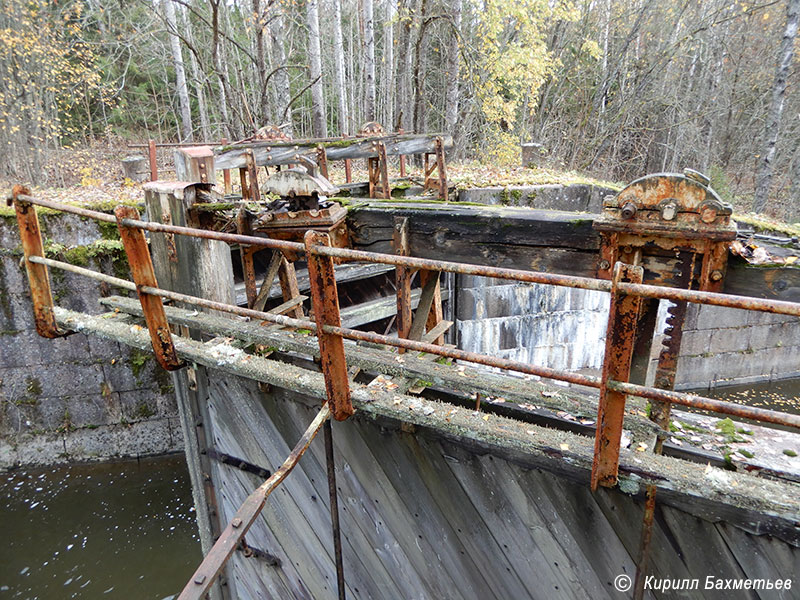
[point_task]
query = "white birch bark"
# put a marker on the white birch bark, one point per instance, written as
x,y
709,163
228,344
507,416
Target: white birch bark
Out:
x,y
453,70
318,124
369,59
338,69
764,178
180,72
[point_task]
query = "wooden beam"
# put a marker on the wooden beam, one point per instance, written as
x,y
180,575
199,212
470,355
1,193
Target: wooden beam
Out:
x,y
283,153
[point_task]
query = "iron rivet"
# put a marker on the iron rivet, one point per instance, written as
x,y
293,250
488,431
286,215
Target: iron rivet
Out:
x,y
604,265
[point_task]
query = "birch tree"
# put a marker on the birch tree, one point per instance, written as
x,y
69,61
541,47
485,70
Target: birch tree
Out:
x,y
339,70
453,68
319,125
772,131
180,72
369,58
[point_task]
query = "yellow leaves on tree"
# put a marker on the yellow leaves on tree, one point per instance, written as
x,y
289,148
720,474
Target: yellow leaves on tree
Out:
x,y
47,73
514,64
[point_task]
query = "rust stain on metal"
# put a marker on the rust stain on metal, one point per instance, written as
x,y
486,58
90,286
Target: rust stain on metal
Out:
x,y
325,301
622,319
143,275
38,279
403,275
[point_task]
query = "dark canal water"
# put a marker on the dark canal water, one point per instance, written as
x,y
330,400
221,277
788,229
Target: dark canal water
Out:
x,y
119,530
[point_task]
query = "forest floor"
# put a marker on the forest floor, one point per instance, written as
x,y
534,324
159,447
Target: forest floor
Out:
x,y
92,175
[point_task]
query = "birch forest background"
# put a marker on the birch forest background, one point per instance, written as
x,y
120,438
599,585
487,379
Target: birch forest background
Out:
x,y
610,88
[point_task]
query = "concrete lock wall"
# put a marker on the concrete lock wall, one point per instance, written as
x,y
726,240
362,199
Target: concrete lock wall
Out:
x,y
565,329
79,397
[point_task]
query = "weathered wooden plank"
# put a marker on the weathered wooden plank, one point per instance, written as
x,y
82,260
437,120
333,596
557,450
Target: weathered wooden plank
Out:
x,y
282,153
380,308
345,273
523,238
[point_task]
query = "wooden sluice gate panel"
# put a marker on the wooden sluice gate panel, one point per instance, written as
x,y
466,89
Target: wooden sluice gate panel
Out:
x,y
439,501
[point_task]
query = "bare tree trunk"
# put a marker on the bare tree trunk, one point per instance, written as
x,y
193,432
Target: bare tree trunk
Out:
x,y
198,79
369,58
180,73
785,55
281,77
319,126
420,48
261,66
388,83
339,72
453,67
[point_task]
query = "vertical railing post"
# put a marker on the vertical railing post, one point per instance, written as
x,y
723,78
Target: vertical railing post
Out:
x,y
620,336
253,194
325,301
442,168
401,131
151,152
226,174
143,275
38,279
322,161
243,227
400,244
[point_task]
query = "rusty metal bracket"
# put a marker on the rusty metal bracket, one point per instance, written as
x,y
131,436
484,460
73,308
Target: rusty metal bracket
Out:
x,y
620,337
236,462
38,279
322,160
143,275
435,162
252,176
403,275
325,301
378,173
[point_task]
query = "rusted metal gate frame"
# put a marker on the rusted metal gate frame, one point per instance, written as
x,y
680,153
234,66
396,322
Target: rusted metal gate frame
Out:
x,y
626,289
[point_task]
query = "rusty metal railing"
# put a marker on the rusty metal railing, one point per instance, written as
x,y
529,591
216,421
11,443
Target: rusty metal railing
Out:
x,y
330,333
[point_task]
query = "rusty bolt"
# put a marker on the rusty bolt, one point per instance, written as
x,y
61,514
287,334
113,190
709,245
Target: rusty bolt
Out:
x,y
708,214
604,265
629,210
236,523
200,579
716,275
628,249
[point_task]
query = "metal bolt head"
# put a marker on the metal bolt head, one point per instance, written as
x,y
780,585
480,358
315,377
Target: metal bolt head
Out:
x,y
669,211
716,275
236,523
708,214
604,265
200,579
629,210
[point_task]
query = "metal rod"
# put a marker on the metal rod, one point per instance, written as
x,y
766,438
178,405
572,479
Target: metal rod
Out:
x,y
57,264
215,560
334,504
682,398
709,404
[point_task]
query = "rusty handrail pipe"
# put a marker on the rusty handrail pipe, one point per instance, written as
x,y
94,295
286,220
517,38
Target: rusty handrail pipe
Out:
x,y
683,398
573,281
